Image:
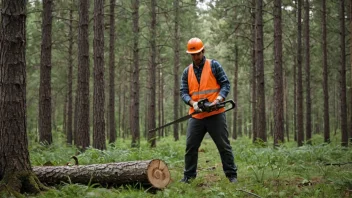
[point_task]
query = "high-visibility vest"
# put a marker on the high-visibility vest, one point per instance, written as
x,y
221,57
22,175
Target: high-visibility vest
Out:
x,y
207,88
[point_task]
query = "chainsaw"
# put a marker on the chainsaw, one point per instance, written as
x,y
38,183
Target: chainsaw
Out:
x,y
205,106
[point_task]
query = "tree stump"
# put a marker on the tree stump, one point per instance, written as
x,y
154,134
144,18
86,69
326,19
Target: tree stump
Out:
x,y
151,172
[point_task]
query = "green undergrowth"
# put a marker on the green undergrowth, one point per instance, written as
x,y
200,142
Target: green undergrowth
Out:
x,y
317,170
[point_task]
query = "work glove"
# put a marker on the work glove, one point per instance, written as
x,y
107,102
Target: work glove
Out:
x,y
196,107
215,102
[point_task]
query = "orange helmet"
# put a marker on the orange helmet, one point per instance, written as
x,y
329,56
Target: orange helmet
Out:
x,y
194,45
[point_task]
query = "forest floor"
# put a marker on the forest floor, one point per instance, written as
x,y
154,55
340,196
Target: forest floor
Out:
x,y
288,171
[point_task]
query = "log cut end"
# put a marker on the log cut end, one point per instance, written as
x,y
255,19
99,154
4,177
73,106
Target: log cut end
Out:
x,y
158,174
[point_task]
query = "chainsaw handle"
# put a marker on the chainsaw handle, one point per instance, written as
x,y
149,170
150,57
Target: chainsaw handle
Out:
x,y
202,104
206,106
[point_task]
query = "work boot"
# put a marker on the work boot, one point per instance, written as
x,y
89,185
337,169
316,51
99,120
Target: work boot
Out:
x,y
186,180
232,179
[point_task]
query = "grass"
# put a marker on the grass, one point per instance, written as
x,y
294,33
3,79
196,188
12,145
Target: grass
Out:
x,y
263,171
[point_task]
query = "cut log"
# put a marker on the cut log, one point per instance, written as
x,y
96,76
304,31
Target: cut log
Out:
x,y
151,172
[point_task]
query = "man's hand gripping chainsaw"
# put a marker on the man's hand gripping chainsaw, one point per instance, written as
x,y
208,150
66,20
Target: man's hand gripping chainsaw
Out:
x,y
207,106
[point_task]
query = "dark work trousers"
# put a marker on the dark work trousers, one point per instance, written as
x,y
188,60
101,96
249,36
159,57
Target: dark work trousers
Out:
x,y
216,127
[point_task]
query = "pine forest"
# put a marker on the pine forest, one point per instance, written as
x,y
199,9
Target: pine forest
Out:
x,y
92,98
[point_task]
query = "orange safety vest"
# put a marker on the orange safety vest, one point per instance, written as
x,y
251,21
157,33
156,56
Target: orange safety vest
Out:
x,y
208,88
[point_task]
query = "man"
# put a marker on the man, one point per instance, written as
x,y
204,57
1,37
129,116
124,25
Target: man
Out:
x,y
205,78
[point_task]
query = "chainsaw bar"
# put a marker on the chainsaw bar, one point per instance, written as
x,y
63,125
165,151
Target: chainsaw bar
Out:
x,y
214,108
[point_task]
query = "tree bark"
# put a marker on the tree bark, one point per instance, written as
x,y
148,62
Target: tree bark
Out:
x,y
239,121
260,72
343,104
69,133
83,139
151,121
295,59
14,153
235,94
15,169
278,81
176,69
254,75
45,134
286,107
135,77
99,83
151,172
325,76
307,70
350,12
64,120
162,118
160,99
75,119
300,132
112,125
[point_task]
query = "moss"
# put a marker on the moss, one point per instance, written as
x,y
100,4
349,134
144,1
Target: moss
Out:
x,y
7,191
16,184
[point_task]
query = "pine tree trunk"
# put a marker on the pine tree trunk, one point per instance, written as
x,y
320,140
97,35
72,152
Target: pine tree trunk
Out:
x,y
159,99
336,109
162,105
45,115
235,94
15,169
278,81
125,118
176,69
350,72
243,127
295,65
69,78
111,110
239,124
135,77
325,76
307,70
53,113
75,119
260,72
83,139
122,97
14,154
120,107
254,74
300,132
64,112
151,172
343,104
152,77
99,83
287,115
147,114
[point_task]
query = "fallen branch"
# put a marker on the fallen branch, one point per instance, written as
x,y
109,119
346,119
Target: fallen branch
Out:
x,y
337,164
255,195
